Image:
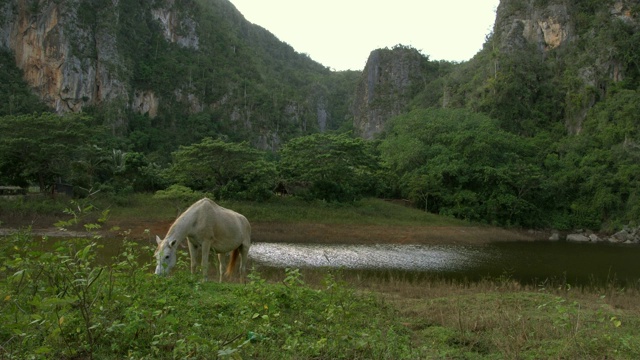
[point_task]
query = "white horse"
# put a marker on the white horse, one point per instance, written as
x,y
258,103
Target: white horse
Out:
x,y
208,227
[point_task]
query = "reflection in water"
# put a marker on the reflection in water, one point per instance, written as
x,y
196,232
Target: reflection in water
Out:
x,y
526,262
381,256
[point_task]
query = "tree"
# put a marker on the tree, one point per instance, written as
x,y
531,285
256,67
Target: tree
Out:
x,y
15,96
524,95
331,167
460,163
40,148
229,170
141,174
600,165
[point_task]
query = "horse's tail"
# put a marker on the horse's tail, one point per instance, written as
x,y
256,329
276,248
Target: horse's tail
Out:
x,y
232,261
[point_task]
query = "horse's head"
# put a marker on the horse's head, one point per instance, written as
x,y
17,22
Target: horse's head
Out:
x,y
165,255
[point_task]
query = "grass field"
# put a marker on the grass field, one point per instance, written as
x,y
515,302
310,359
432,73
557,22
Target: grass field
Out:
x,y
292,210
65,305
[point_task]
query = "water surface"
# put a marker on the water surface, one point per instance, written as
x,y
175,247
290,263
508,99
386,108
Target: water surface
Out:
x,y
527,262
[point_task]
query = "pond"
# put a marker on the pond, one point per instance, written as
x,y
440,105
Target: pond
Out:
x,y
528,262
525,262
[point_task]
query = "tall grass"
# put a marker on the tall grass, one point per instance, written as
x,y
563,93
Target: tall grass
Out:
x,y
63,304
66,304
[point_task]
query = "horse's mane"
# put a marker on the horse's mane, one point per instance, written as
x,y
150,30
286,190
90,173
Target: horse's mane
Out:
x,y
182,222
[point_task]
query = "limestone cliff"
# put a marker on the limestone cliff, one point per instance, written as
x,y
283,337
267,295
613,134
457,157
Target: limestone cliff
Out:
x,y
553,23
580,33
588,45
72,63
167,59
520,23
38,33
385,88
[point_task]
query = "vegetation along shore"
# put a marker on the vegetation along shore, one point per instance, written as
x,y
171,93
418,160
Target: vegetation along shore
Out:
x,y
69,304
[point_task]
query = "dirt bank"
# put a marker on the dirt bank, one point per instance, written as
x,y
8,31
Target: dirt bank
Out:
x,y
323,233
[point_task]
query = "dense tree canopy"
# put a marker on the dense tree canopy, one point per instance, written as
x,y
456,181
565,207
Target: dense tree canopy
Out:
x,y
228,170
516,136
331,167
42,148
461,163
601,166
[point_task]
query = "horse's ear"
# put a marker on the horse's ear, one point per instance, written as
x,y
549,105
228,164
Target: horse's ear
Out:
x,y
158,240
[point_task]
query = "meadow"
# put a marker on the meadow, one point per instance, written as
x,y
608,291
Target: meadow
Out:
x,y
64,304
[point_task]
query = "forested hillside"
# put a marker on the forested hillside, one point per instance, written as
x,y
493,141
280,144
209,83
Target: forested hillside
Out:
x,y
180,70
539,129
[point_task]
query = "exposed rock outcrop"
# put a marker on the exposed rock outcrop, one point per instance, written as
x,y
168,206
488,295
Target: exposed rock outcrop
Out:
x,y
628,235
519,23
385,88
145,102
76,54
176,29
40,37
556,24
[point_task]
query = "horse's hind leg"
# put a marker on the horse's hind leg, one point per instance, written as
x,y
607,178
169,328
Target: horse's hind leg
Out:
x,y
244,258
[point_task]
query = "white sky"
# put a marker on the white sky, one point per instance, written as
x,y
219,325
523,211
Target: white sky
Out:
x,y
340,34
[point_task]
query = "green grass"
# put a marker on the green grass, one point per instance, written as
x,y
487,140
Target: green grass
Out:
x,y
292,210
145,207
523,324
64,304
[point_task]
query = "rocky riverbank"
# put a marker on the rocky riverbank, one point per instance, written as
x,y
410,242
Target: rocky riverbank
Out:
x,y
628,235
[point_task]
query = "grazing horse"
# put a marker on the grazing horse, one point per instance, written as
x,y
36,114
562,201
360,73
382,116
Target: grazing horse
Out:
x,y
208,227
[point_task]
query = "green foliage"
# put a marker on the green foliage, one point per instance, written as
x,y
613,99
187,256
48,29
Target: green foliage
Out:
x,y
524,94
589,14
329,167
599,166
235,70
459,163
220,77
31,207
228,170
180,196
330,323
65,303
16,97
79,212
41,148
139,173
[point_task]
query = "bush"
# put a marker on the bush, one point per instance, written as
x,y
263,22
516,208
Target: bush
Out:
x,y
65,303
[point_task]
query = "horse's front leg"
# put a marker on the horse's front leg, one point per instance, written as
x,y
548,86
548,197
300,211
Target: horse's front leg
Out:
x,y
220,266
194,254
205,248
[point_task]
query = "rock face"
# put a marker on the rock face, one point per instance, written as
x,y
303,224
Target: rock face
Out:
x,y
39,36
557,24
519,23
77,53
181,31
71,65
628,235
556,27
385,88
550,24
